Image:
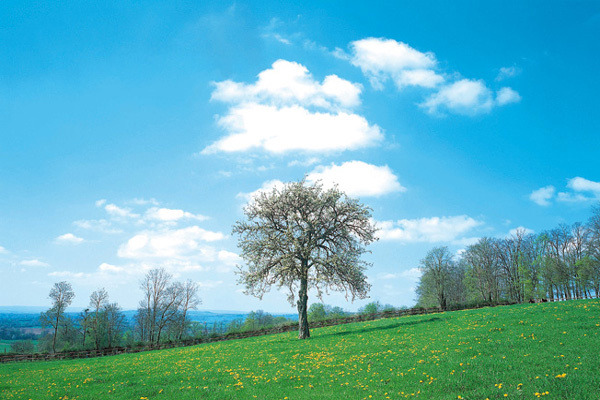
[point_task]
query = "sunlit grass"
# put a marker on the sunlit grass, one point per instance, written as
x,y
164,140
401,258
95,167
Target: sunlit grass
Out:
x,y
525,351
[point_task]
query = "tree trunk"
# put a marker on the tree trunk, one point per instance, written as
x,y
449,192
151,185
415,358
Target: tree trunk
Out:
x,y
303,329
55,332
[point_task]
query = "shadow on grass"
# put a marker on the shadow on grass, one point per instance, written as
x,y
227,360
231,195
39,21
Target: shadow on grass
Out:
x,y
380,328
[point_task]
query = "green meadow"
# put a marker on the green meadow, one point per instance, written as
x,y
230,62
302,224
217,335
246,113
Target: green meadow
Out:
x,y
529,351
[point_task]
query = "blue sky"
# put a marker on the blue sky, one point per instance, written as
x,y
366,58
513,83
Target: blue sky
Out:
x,y
131,135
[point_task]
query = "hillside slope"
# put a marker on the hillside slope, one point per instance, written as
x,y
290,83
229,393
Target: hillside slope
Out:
x,y
526,351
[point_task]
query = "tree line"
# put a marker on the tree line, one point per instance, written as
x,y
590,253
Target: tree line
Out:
x,y
162,316
558,264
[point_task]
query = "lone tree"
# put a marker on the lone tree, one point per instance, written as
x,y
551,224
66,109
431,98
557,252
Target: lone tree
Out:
x,y
304,237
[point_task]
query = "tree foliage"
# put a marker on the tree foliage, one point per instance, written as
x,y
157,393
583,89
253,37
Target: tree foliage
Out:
x,y
303,237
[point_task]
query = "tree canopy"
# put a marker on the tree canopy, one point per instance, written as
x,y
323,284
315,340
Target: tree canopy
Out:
x,y
303,237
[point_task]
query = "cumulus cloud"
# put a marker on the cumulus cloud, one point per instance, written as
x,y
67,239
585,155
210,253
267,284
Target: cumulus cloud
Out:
x,y
171,215
290,83
580,190
357,178
292,128
286,109
33,263
580,184
116,211
542,196
507,95
105,267
69,238
170,243
428,230
468,97
382,59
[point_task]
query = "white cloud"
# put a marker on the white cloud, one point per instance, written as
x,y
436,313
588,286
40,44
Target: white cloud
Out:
x,y
142,202
304,163
105,267
98,225
288,110
580,184
565,197
271,31
34,263
69,238
429,230
542,196
582,190
292,128
266,187
382,59
100,203
412,273
507,72
171,215
228,257
466,96
69,274
182,243
507,95
290,83
3,250
357,178
116,211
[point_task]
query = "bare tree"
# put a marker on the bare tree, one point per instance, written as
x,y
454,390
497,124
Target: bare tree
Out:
x,y
165,306
190,301
481,262
303,237
169,308
61,295
154,285
437,269
115,323
98,300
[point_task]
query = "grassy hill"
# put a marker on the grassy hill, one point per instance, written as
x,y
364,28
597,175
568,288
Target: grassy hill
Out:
x,y
528,351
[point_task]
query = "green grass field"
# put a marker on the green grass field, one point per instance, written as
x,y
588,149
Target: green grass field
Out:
x,y
547,350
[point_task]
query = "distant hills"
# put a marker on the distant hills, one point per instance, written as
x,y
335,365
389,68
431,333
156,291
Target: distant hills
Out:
x,y
209,317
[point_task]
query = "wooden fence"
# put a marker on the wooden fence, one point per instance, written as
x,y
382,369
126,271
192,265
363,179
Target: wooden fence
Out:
x,y
228,336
